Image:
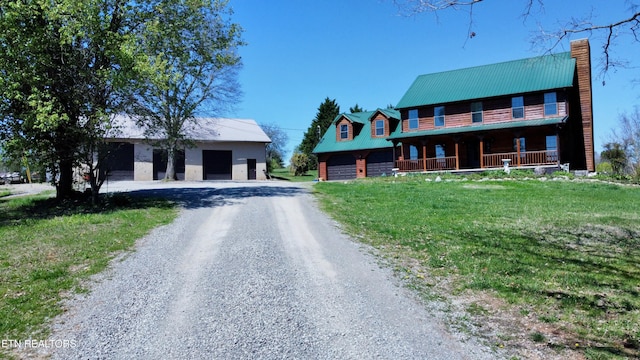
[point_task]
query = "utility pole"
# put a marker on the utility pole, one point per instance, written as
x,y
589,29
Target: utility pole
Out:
x,y
317,159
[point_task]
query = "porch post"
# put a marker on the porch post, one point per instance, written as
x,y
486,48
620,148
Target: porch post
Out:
x,y
558,146
481,152
424,155
393,151
457,155
518,148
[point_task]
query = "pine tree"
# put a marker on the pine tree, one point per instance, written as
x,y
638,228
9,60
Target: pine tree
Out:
x,y
356,109
327,112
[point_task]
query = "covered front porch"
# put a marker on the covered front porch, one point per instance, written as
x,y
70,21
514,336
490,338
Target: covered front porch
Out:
x,y
480,147
447,163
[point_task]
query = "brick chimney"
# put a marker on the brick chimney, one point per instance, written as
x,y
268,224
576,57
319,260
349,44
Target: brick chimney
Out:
x,y
581,52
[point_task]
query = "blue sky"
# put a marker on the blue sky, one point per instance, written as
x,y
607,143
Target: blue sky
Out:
x,y
300,52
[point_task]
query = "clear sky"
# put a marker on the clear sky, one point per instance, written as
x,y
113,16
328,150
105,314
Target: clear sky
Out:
x,y
300,52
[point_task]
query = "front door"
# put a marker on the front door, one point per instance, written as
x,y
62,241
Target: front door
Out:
x,y
251,169
473,153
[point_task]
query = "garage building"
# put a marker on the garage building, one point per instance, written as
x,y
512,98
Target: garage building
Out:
x,y
223,149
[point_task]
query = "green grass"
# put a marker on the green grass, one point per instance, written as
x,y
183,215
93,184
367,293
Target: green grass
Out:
x,y
285,174
568,250
48,249
4,193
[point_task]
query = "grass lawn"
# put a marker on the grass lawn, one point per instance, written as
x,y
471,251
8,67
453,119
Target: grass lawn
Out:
x,y
48,249
562,254
285,174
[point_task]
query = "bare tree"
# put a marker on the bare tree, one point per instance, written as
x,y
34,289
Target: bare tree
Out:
x,y
629,138
276,151
628,24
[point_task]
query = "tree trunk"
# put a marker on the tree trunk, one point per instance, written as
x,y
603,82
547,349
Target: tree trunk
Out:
x,y
64,187
170,174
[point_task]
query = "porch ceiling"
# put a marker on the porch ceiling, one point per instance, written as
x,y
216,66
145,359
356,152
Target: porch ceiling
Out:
x,y
480,128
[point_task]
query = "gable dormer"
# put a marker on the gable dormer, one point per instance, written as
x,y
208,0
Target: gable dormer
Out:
x,y
348,126
383,122
344,129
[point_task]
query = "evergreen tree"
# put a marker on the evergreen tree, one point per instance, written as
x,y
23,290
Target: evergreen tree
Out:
x,y
356,109
327,112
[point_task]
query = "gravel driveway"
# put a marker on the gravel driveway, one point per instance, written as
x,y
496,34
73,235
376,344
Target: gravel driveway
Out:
x,y
250,271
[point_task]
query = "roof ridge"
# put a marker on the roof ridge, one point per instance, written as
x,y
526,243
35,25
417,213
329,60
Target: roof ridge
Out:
x,y
498,63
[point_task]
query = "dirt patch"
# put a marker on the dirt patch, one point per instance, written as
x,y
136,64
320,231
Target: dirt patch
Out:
x,y
517,329
511,330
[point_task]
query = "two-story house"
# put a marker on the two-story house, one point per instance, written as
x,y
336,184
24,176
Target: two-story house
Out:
x,y
533,112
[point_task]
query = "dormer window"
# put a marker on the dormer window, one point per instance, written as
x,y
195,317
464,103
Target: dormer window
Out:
x,y
379,127
344,132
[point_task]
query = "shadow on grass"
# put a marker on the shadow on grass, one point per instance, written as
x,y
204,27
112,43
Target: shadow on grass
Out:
x,y
14,211
599,280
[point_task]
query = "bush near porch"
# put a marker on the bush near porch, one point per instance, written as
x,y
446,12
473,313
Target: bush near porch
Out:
x,y
562,254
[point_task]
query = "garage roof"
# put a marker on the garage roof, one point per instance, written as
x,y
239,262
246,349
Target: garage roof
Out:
x,y
362,141
202,129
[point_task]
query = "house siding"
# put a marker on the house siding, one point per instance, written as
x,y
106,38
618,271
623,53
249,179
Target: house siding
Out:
x,y
494,111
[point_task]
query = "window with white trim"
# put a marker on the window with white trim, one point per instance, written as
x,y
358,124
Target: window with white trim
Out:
x,y
550,104
344,132
413,119
552,147
438,116
517,107
476,112
379,127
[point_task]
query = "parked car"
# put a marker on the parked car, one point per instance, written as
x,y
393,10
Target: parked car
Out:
x,y
12,178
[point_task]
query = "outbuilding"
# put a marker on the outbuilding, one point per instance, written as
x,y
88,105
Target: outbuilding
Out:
x,y
222,149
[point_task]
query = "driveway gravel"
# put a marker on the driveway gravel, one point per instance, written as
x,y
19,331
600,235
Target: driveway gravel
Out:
x,y
250,271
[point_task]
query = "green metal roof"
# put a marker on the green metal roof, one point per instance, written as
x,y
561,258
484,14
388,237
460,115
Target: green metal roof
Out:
x,y
363,141
547,72
478,128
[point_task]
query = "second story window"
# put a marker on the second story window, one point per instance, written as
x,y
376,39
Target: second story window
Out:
x,y
379,127
517,107
413,119
476,112
344,132
550,104
438,116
